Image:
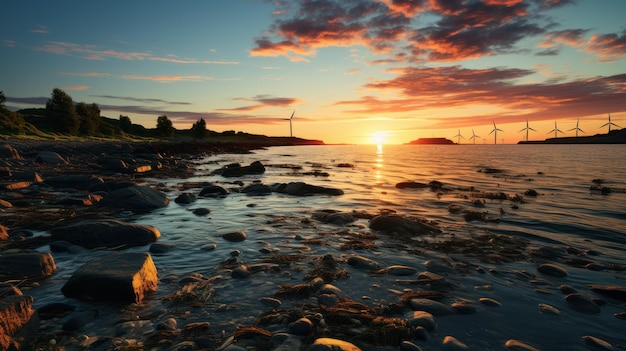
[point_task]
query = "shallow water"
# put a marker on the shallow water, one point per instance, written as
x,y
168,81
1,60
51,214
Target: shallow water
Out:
x,y
565,214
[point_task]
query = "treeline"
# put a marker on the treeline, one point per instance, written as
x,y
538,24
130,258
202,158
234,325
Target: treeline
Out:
x,y
63,116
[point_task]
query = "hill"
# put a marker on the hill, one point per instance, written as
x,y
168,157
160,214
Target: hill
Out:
x,y
613,137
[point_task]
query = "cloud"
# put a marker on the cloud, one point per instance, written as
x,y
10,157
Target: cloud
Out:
x,y
145,100
570,37
75,87
41,29
263,101
170,79
88,74
609,47
9,43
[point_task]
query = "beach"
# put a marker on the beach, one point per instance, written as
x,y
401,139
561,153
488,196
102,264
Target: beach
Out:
x,y
399,247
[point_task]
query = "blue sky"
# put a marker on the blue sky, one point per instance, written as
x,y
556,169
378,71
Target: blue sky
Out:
x,y
358,71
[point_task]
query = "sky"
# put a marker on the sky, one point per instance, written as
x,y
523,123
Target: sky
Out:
x,y
359,71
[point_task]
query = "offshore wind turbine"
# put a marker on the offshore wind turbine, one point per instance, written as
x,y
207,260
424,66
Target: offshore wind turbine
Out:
x,y
555,130
474,136
290,119
576,129
527,129
495,131
609,123
459,136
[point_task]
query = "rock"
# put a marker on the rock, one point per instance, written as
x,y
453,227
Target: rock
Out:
x,y
235,236
334,217
463,307
401,225
26,176
548,309
8,289
9,152
201,211
50,158
301,327
612,291
409,346
168,324
304,189
490,302
435,308
597,343
79,182
55,310
185,198
237,170
421,319
364,263
412,185
329,344
125,277
582,303
136,198
531,192
213,191
270,302
552,269
5,204
4,233
77,322
450,343
106,233
15,312
399,270
439,267
158,248
257,190
241,272
516,345
30,266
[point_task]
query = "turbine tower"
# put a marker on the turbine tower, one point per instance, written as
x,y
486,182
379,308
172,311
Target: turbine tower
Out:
x,y
576,129
527,129
474,136
556,130
459,136
290,119
495,131
609,123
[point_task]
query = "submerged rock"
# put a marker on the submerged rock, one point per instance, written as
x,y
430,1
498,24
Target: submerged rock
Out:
x,y
106,233
582,303
401,225
552,269
303,189
136,198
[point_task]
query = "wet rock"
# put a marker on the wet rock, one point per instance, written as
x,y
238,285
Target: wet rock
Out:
x,y
236,170
399,270
612,291
437,266
241,272
50,158
136,198
463,307
412,185
126,277
235,236
334,217
421,319
304,189
257,190
270,302
201,211
552,269
106,233
516,345
582,303
4,232
531,192
79,182
185,198
301,327
401,225
26,266
490,302
328,300
330,344
168,324
409,346
15,312
159,248
9,152
55,310
435,308
597,343
213,191
8,289
364,263
450,343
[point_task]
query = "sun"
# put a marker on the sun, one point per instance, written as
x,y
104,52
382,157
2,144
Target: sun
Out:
x,y
379,137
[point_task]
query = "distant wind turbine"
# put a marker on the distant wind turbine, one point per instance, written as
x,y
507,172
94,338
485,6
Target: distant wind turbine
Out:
x,y
474,136
609,123
290,119
527,129
459,136
556,130
495,133
576,129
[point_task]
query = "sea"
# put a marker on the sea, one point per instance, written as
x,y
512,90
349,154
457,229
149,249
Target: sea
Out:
x,y
577,217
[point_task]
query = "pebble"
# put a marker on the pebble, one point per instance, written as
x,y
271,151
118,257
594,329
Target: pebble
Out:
x,y
597,343
548,309
450,343
330,344
464,307
490,302
361,262
517,345
168,324
582,303
208,247
421,319
270,302
201,211
241,272
235,236
301,327
435,308
401,270
567,289
552,269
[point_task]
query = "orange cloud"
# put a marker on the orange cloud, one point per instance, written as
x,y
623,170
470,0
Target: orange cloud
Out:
x,y
609,47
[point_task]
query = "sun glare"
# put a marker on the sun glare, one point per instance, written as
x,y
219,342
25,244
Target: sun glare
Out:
x,y
379,137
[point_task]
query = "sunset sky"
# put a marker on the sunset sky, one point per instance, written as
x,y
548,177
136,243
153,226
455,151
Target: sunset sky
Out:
x,y
359,71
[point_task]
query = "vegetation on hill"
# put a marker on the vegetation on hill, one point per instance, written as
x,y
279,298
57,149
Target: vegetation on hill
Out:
x,y
63,119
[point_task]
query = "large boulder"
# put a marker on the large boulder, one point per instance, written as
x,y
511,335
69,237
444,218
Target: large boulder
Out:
x,y
106,233
30,266
402,225
124,277
15,312
304,189
136,198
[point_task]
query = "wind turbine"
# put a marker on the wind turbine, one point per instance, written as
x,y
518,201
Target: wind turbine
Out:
x,y
555,130
459,136
495,133
609,123
290,119
474,136
576,129
527,129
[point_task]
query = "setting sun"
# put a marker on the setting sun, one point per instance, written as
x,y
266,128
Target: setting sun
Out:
x,y
379,137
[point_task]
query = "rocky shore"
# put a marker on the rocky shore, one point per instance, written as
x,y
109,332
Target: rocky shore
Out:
x,y
72,197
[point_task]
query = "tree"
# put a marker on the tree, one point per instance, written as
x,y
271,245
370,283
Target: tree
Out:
x,y
61,113
164,126
125,124
3,100
198,129
89,116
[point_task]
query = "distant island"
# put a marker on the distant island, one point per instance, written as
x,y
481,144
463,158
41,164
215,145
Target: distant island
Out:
x,y
613,137
431,141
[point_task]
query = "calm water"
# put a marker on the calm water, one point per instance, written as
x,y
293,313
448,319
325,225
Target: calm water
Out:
x,y
565,214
